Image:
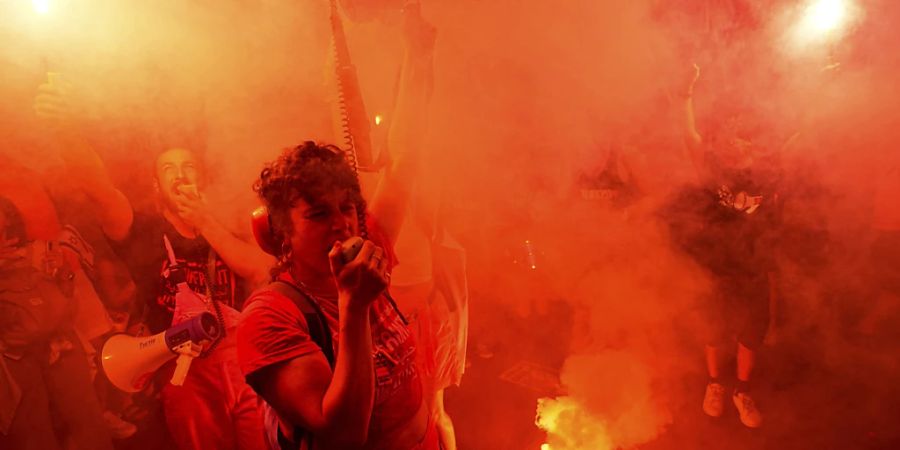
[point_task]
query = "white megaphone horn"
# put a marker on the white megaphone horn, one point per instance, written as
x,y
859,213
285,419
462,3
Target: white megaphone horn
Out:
x,y
129,362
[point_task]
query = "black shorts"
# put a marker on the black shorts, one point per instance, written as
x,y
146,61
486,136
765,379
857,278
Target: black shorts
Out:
x,y
738,307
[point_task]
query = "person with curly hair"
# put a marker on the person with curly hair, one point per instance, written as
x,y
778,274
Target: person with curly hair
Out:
x,y
325,345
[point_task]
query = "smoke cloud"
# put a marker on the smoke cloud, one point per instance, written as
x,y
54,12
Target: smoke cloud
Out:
x,y
529,99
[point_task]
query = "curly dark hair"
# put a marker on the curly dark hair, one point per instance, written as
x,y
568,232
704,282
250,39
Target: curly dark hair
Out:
x,y
308,171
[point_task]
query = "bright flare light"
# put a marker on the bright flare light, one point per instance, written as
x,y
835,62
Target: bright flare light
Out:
x,y
826,15
570,426
378,120
822,22
41,6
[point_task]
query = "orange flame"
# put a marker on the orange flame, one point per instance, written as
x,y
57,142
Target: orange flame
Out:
x,y
570,427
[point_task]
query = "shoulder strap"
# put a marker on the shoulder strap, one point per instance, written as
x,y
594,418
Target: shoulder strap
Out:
x,y
315,318
320,334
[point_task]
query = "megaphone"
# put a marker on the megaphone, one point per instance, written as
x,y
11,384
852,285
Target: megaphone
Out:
x,y
129,362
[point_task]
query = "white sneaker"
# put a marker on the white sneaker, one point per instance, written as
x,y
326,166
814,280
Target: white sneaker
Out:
x,y
714,400
750,416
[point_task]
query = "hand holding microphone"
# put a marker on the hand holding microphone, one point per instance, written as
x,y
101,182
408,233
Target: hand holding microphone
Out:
x,y
360,269
350,248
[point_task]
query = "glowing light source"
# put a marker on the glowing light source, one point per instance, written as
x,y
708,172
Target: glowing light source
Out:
x,y
378,120
822,23
826,15
570,426
41,6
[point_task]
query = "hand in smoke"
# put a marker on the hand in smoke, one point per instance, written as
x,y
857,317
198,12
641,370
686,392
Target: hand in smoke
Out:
x,y
192,208
53,102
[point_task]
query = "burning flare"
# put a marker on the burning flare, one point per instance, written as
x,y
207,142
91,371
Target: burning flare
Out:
x,y
824,21
570,427
610,404
826,15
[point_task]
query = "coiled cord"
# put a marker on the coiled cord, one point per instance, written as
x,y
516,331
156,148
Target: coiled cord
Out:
x,y
341,62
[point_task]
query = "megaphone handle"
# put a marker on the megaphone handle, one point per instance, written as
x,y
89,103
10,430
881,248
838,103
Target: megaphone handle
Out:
x,y
182,364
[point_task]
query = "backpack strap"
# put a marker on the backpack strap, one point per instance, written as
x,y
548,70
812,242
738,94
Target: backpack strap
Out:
x,y
315,318
320,334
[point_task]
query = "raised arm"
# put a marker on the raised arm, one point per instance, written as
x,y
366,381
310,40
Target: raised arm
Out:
x,y
692,139
84,165
408,127
245,259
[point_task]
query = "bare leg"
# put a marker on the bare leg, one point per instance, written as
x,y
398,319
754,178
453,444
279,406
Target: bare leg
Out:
x,y
750,415
712,361
445,430
713,400
745,360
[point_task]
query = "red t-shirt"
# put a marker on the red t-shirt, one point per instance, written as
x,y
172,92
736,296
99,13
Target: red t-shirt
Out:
x,y
272,329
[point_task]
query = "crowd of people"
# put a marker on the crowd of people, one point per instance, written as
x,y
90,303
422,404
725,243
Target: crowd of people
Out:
x,y
350,374
331,342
